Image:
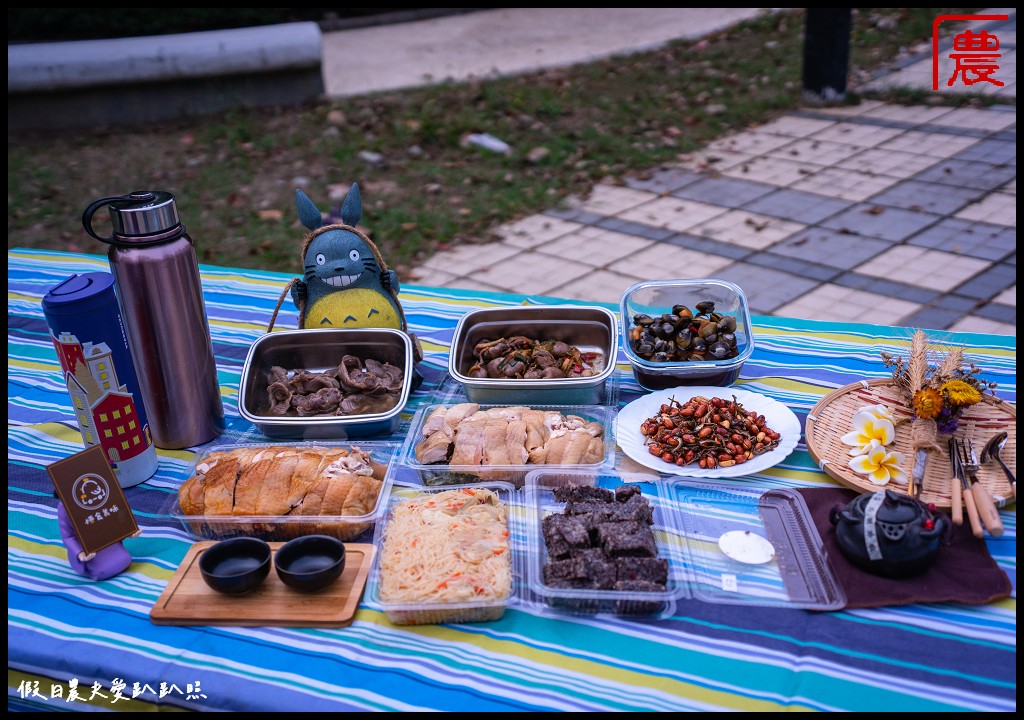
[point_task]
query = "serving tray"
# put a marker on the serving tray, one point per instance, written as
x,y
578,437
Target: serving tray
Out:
x,y
188,600
832,417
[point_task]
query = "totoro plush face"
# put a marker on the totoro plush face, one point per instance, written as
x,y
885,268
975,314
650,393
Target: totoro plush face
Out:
x,y
340,259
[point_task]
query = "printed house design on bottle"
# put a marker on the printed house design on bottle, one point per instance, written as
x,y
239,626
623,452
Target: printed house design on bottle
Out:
x,y
106,411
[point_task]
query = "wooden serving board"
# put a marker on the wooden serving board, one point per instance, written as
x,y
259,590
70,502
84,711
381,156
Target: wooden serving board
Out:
x,y
188,600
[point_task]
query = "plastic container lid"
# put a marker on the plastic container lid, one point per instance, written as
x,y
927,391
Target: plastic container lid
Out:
x,y
748,546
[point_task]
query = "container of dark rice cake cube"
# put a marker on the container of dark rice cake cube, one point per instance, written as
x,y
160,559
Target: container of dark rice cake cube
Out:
x,y
601,542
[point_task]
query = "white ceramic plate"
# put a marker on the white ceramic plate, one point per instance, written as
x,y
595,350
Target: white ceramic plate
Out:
x,y
778,417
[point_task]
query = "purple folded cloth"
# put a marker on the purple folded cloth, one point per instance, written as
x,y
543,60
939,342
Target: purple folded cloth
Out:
x,y
964,570
106,563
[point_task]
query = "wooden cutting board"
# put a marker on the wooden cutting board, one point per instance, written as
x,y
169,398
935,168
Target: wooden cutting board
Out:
x,y
188,600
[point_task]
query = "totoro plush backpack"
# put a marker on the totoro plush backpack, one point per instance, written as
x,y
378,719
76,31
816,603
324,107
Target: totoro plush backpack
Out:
x,y
345,282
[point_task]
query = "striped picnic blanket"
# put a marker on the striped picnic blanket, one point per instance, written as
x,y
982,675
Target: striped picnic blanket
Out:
x,y
78,644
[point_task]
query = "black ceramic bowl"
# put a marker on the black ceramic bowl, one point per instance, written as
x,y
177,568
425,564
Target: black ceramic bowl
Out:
x,y
235,566
311,562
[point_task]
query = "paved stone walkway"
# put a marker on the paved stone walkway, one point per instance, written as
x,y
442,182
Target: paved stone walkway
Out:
x,y
890,214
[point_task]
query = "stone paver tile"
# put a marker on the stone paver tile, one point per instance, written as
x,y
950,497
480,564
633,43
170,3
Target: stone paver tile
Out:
x,y
933,144
672,213
666,261
594,246
794,126
1010,188
878,221
728,191
827,247
663,180
998,312
932,269
429,276
798,266
628,227
466,259
838,304
998,208
964,173
751,142
598,286
803,207
916,114
535,230
930,317
977,119
865,108
1007,297
991,281
470,283
975,324
969,238
740,227
995,152
611,199
766,289
815,151
710,162
893,163
926,196
851,133
845,184
772,170
530,273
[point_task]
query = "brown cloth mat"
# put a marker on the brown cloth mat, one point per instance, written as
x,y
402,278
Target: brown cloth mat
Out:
x,y
964,570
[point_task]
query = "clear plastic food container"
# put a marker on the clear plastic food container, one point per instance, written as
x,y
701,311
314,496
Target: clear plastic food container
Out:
x,y
430,609
447,473
604,555
657,297
365,508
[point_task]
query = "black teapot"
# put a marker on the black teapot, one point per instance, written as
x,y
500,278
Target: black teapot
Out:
x,y
888,533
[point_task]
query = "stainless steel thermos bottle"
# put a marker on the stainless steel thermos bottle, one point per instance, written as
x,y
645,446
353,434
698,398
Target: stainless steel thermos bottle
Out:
x,y
156,273
88,334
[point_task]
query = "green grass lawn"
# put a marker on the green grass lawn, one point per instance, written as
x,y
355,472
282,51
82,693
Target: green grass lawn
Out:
x,y
423,187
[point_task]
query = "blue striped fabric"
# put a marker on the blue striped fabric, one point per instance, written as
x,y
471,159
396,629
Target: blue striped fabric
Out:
x,y
705,656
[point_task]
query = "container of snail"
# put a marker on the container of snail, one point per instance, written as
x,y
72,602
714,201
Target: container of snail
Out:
x,y
685,332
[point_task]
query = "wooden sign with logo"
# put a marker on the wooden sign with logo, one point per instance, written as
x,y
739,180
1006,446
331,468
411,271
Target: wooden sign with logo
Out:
x,y
93,498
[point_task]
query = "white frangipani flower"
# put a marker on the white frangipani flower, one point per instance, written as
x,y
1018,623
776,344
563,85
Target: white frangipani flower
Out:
x,y
879,411
880,465
867,429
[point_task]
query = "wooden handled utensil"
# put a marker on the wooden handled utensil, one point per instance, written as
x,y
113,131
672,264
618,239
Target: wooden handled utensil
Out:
x,y
972,509
986,505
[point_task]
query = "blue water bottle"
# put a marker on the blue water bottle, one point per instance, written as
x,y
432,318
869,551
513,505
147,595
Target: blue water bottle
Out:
x,y
88,333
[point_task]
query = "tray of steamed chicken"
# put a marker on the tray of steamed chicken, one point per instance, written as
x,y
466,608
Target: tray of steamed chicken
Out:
x,y
533,396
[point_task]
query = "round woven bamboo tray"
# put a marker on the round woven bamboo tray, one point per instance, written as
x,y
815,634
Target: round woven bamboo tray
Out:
x,y
832,418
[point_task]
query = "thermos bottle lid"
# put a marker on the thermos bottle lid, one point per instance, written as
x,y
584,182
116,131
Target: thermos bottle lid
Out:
x,y
143,213
79,294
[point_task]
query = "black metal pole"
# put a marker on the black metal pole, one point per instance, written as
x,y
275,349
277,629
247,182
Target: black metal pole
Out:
x,y
826,55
